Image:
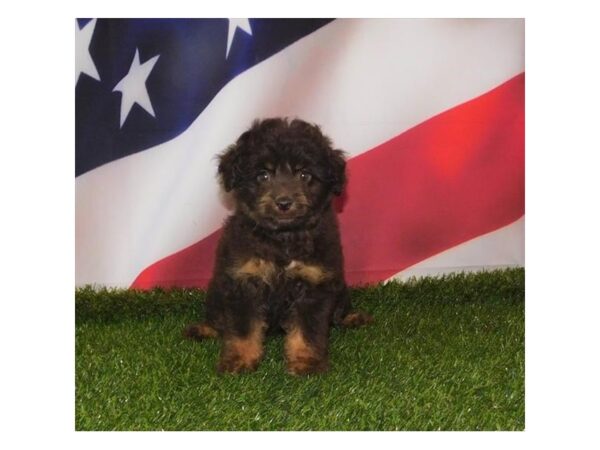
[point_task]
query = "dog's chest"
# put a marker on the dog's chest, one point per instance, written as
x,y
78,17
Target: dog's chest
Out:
x,y
292,246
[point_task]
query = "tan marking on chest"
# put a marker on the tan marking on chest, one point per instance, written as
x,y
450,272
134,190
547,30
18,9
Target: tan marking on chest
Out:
x,y
255,267
312,273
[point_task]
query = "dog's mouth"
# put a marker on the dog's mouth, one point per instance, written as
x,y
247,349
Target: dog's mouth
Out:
x,y
286,220
281,220
266,213
282,213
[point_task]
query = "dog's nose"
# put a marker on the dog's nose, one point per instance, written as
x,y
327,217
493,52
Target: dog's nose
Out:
x,y
283,203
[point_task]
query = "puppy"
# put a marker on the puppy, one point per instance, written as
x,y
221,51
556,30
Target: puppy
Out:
x,y
279,263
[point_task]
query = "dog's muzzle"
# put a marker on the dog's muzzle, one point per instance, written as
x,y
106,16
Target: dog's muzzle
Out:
x,y
283,203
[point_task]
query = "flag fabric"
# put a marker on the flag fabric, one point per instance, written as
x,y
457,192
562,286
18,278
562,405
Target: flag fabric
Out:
x,y
430,113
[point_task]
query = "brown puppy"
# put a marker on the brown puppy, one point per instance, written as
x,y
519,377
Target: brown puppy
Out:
x,y
279,263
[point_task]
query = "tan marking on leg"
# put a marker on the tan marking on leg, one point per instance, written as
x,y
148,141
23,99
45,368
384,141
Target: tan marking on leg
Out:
x,y
301,357
242,354
255,267
312,273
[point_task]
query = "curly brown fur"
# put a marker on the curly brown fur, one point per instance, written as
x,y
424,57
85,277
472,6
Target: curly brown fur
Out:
x,y
279,264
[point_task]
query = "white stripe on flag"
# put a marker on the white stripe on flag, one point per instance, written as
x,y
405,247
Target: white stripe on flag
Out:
x,y
363,81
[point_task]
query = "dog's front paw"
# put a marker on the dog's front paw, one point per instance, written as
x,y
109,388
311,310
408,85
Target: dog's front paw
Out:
x,y
236,364
307,366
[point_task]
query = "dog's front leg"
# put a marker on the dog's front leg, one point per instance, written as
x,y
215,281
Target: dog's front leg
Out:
x,y
244,326
307,336
242,352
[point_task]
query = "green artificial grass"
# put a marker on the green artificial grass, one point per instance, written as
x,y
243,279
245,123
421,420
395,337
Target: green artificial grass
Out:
x,y
444,354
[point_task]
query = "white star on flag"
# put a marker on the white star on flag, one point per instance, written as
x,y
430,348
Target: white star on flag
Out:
x,y
83,59
133,86
234,24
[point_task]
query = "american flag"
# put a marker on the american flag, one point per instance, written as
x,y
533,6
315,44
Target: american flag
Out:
x,y
429,111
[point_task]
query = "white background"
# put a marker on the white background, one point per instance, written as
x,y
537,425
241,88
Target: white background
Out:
x,y
37,247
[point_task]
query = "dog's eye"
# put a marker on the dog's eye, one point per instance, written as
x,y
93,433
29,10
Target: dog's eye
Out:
x,y
263,175
305,176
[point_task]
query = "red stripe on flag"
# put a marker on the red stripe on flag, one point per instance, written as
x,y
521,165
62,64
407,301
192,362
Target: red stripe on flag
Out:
x,y
190,267
452,178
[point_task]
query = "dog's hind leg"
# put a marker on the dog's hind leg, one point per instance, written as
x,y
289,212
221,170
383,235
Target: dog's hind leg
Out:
x,y
355,319
200,331
345,317
207,329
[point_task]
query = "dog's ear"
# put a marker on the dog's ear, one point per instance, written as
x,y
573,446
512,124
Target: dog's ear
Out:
x,y
335,159
233,161
230,166
336,163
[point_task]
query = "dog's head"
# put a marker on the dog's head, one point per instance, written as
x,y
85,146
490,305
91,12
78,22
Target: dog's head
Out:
x,y
282,173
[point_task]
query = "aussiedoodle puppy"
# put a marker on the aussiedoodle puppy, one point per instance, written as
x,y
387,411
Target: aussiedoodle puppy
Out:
x,y
279,264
